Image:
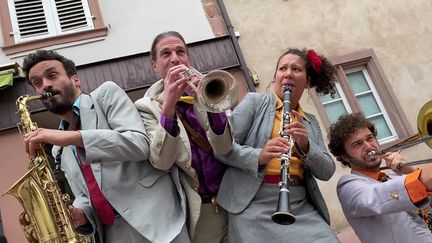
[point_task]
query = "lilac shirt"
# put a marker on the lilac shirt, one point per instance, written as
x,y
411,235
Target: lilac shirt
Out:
x,y
208,168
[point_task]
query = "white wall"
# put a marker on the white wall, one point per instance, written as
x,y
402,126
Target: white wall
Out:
x,y
132,26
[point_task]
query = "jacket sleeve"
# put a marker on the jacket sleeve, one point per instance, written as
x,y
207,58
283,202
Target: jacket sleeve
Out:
x,y
221,144
163,146
241,156
318,160
362,198
124,138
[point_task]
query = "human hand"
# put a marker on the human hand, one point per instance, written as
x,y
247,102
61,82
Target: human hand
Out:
x,y
298,131
394,160
274,148
78,216
33,140
174,86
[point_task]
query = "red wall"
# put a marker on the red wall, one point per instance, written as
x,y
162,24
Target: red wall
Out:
x,y
13,165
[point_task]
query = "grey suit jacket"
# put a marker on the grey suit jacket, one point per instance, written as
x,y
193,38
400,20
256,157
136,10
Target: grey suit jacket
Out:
x,y
381,212
167,151
252,122
117,146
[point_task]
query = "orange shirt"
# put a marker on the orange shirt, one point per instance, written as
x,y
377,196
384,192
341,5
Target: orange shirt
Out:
x,y
416,190
296,167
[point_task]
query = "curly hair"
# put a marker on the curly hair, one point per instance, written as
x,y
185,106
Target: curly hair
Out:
x,y
47,55
323,82
343,128
161,36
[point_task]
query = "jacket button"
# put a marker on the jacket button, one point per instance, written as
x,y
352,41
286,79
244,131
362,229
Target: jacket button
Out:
x,y
187,166
159,143
195,189
394,195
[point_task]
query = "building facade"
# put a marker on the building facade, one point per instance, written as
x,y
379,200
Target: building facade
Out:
x,y
381,51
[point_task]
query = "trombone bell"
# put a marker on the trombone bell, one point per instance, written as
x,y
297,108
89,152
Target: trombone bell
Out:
x,y
424,121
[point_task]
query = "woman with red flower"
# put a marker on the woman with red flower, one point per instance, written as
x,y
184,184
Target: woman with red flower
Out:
x,y
250,187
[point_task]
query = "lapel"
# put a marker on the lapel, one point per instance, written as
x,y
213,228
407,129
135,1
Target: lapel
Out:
x,y
157,109
89,120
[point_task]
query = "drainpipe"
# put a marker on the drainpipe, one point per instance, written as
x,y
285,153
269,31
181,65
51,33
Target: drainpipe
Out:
x,y
242,62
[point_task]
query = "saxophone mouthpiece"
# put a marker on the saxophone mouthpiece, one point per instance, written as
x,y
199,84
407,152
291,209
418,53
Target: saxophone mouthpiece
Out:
x,y
46,96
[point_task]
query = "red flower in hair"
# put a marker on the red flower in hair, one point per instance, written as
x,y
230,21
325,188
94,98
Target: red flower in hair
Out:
x,y
314,60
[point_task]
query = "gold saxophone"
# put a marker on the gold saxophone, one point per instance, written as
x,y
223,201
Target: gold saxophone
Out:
x,y
46,217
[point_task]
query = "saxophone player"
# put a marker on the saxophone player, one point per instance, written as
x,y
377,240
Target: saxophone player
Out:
x,y
254,172
104,151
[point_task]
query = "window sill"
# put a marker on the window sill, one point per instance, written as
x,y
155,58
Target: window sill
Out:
x,y
55,40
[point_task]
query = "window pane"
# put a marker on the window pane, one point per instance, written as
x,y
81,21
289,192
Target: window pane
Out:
x,y
358,82
327,97
334,110
368,104
381,126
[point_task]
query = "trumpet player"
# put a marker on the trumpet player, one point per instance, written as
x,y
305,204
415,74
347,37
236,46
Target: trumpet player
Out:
x,y
185,138
380,207
249,190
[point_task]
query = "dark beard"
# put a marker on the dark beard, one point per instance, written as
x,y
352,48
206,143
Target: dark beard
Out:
x,y
363,164
64,105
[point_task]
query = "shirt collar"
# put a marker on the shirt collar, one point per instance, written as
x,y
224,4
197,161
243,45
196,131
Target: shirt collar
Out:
x,y
373,174
279,105
76,111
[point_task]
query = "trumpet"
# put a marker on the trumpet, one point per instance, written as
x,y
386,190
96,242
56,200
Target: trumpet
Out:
x,y
283,213
424,126
217,91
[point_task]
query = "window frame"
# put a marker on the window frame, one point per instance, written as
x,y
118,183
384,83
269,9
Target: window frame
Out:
x,y
369,61
11,46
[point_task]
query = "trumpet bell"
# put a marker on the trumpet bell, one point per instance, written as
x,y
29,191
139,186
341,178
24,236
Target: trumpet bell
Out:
x,y
217,91
424,121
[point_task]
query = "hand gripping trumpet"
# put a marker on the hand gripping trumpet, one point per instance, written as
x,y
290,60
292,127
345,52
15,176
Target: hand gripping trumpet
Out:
x,y
46,217
283,213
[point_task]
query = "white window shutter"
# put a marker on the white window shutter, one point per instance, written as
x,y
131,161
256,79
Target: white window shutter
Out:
x,y
37,19
30,18
71,15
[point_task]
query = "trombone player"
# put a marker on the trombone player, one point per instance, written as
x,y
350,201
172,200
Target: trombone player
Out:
x,y
379,207
185,137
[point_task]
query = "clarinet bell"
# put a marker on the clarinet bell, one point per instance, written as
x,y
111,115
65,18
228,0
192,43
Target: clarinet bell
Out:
x,y
283,215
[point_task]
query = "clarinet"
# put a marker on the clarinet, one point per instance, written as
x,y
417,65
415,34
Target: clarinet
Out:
x,y
283,213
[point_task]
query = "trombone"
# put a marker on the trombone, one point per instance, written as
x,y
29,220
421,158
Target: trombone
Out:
x,y
424,126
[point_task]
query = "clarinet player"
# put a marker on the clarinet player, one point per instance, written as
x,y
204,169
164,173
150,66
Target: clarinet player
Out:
x,y
255,161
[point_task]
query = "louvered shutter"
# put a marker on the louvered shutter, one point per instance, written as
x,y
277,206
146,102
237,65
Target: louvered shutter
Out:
x,y
71,14
31,18
36,19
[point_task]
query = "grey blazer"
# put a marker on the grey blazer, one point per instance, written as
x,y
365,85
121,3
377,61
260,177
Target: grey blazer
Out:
x,y
252,122
117,146
381,212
